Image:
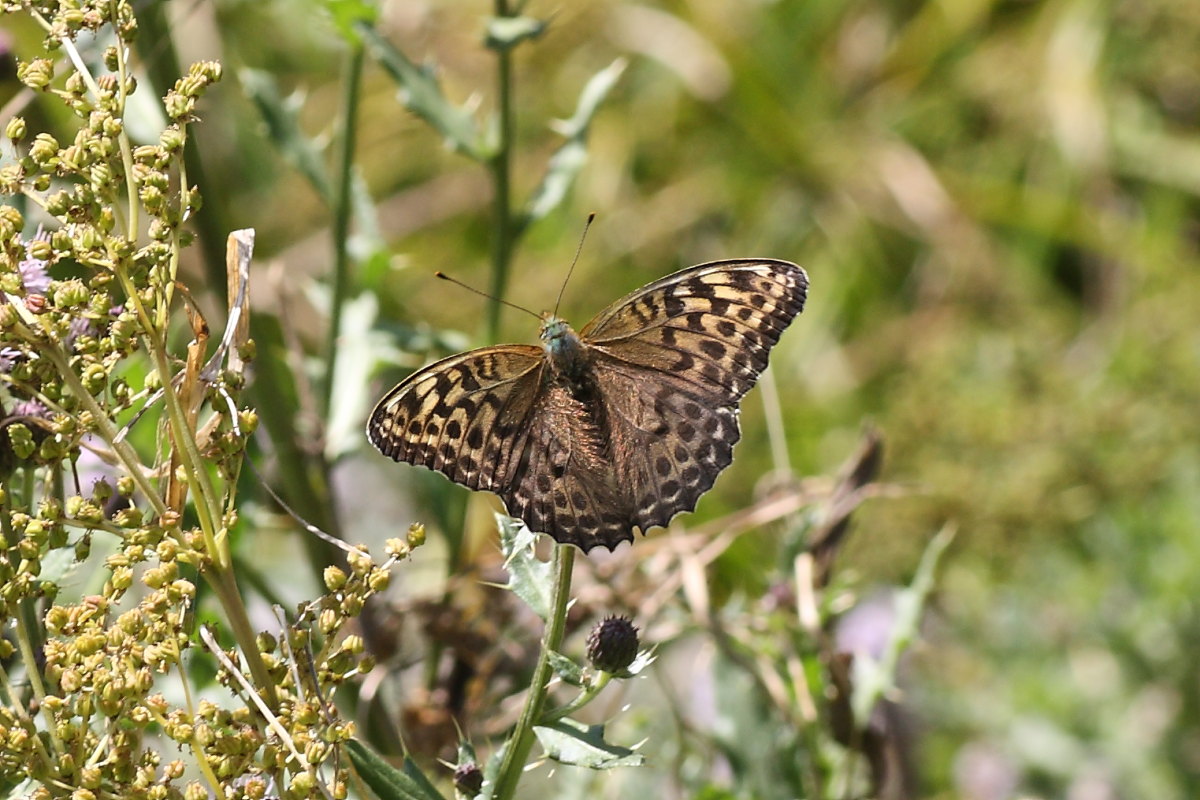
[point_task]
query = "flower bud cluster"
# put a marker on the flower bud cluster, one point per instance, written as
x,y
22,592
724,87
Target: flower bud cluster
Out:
x,y
89,468
95,320
317,646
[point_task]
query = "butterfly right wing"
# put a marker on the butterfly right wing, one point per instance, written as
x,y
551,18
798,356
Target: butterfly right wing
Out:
x,y
672,361
711,325
463,416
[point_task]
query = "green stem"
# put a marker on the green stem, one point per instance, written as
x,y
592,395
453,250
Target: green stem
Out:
x,y
34,676
342,214
131,224
585,697
204,498
501,164
15,702
224,583
521,741
105,427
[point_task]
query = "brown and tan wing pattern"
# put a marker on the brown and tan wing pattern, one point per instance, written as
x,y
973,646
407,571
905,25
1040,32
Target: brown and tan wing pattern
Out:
x,y
671,441
562,479
463,416
636,438
672,360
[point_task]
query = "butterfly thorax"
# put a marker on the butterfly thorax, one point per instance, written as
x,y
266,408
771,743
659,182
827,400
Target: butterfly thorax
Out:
x,y
565,350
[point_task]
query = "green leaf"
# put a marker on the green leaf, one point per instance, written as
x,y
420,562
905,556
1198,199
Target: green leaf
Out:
x,y
568,160
421,94
874,679
564,166
591,97
359,347
347,14
570,742
367,241
515,536
644,659
504,33
466,752
491,769
374,268
566,669
528,578
386,781
281,116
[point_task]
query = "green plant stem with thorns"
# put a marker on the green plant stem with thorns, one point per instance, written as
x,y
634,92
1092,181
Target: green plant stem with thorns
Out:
x,y
521,740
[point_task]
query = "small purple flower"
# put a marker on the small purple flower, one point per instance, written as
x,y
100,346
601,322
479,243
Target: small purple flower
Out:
x,y
24,409
8,357
34,275
80,326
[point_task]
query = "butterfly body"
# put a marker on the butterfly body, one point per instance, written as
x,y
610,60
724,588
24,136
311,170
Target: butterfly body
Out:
x,y
566,353
620,426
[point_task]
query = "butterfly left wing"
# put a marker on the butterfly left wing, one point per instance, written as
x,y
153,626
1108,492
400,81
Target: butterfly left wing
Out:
x,y
671,362
463,416
487,420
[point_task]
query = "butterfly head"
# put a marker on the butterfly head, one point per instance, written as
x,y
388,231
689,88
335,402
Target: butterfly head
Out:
x,y
564,348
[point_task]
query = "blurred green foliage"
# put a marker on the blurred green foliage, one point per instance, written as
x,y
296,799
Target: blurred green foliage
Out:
x,y
996,203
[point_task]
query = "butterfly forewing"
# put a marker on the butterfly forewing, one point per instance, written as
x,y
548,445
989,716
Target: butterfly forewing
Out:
x,y
753,295
462,416
630,438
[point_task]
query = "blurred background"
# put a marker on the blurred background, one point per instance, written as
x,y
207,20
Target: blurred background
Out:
x,y
996,204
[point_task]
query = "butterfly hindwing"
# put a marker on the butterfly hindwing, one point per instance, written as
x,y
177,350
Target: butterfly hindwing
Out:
x,y
673,439
562,481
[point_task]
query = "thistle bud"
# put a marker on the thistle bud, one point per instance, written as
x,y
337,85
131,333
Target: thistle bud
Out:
x,y
468,779
613,644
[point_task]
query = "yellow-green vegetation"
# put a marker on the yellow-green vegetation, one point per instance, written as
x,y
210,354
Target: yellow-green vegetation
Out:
x,y
996,205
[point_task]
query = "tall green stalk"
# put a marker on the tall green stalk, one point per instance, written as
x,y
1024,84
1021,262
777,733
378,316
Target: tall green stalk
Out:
x,y
501,164
343,212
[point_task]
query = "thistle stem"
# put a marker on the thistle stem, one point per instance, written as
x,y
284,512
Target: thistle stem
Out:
x,y
521,740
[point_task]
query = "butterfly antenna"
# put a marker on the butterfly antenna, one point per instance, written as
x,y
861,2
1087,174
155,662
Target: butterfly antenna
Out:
x,y
456,281
574,260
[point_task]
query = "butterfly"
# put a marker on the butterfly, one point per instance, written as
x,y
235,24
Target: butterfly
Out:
x,y
622,425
